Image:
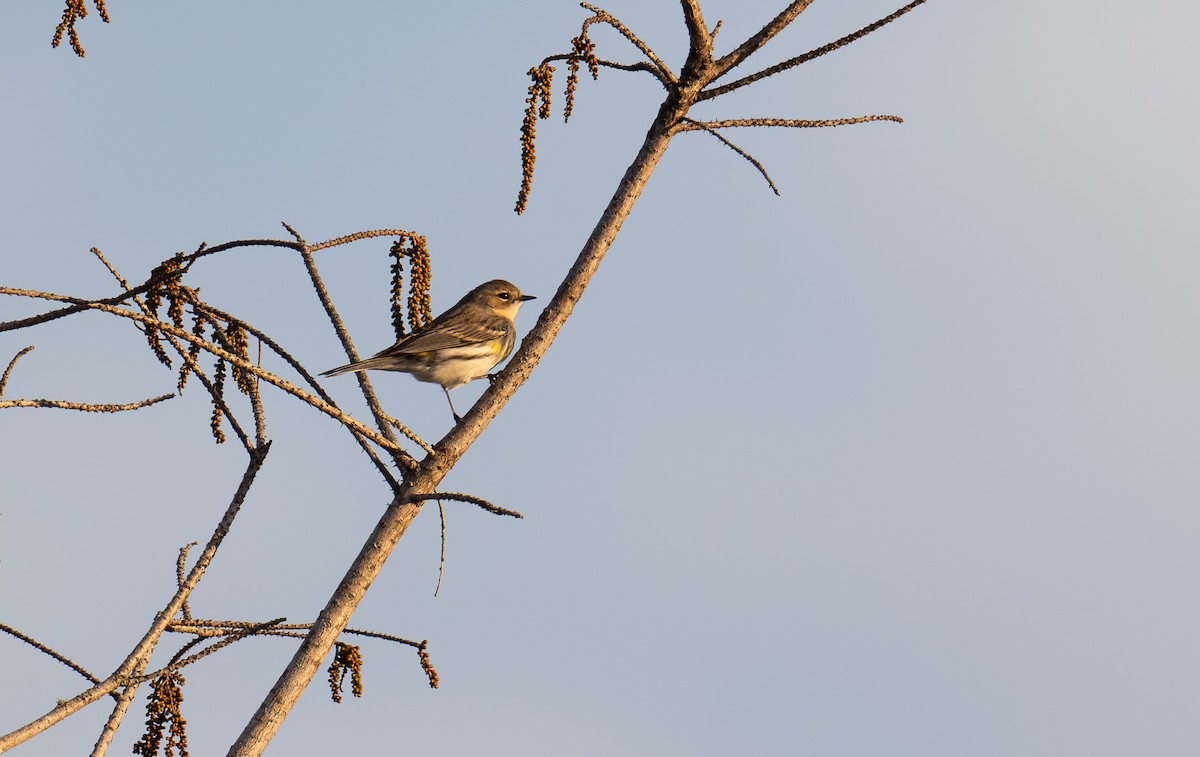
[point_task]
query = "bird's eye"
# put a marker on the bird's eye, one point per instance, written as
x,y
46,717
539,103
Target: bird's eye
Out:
x,y
504,296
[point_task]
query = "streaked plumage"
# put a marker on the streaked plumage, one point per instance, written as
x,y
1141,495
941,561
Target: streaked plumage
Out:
x,y
460,345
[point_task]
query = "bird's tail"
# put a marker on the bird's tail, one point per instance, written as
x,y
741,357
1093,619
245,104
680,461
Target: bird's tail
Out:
x,y
361,365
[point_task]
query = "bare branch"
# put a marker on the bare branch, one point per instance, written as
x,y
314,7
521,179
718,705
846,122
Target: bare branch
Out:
x,y
270,378
693,19
48,651
421,484
83,406
209,628
120,279
442,556
124,699
459,497
180,566
11,363
794,123
294,233
343,334
183,662
611,20
708,94
752,160
312,382
80,305
699,67
384,637
256,404
217,396
355,237
639,66
762,36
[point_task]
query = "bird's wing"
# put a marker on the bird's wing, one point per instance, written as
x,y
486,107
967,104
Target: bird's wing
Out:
x,y
440,335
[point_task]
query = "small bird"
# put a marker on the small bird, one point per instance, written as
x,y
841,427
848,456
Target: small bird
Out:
x,y
460,345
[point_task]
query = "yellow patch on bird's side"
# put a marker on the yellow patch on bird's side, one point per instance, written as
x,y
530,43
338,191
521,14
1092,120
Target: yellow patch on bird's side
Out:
x,y
495,346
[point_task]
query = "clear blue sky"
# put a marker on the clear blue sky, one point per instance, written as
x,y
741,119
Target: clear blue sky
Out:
x,y
900,463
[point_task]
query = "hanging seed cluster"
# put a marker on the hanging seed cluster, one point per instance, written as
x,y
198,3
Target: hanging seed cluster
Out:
x,y
164,717
537,105
427,665
75,10
346,659
418,302
221,329
583,49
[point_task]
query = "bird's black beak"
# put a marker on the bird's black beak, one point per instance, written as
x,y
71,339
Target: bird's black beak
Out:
x,y
524,297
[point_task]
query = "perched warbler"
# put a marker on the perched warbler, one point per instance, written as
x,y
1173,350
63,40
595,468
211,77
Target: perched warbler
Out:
x,y
460,345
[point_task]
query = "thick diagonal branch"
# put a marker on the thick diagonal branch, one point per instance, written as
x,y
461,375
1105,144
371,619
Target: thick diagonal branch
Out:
x,y
423,482
400,514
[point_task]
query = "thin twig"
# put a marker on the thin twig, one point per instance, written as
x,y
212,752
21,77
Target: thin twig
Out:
x,y
343,334
275,347
625,32
708,94
459,497
210,628
761,37
229,357
750,158
639,66
180,564
383,636
294,233
335,318
120,279
256,405
84,406
217,396
442,559
11,363
230,639
50,652
401,427
689,124
356,236
186,261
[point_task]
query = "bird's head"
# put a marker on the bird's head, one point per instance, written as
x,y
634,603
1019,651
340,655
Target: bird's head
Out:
x,y
499,296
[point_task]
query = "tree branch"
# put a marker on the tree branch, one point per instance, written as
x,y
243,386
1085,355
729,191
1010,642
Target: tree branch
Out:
x,y
794,123
423,482
663,69
689,124
48,651
84,406
459,497
761,37
11,364
708,94
639,66
229,357
157,278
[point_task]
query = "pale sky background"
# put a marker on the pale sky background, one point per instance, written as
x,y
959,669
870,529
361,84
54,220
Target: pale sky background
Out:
x,y
901,463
